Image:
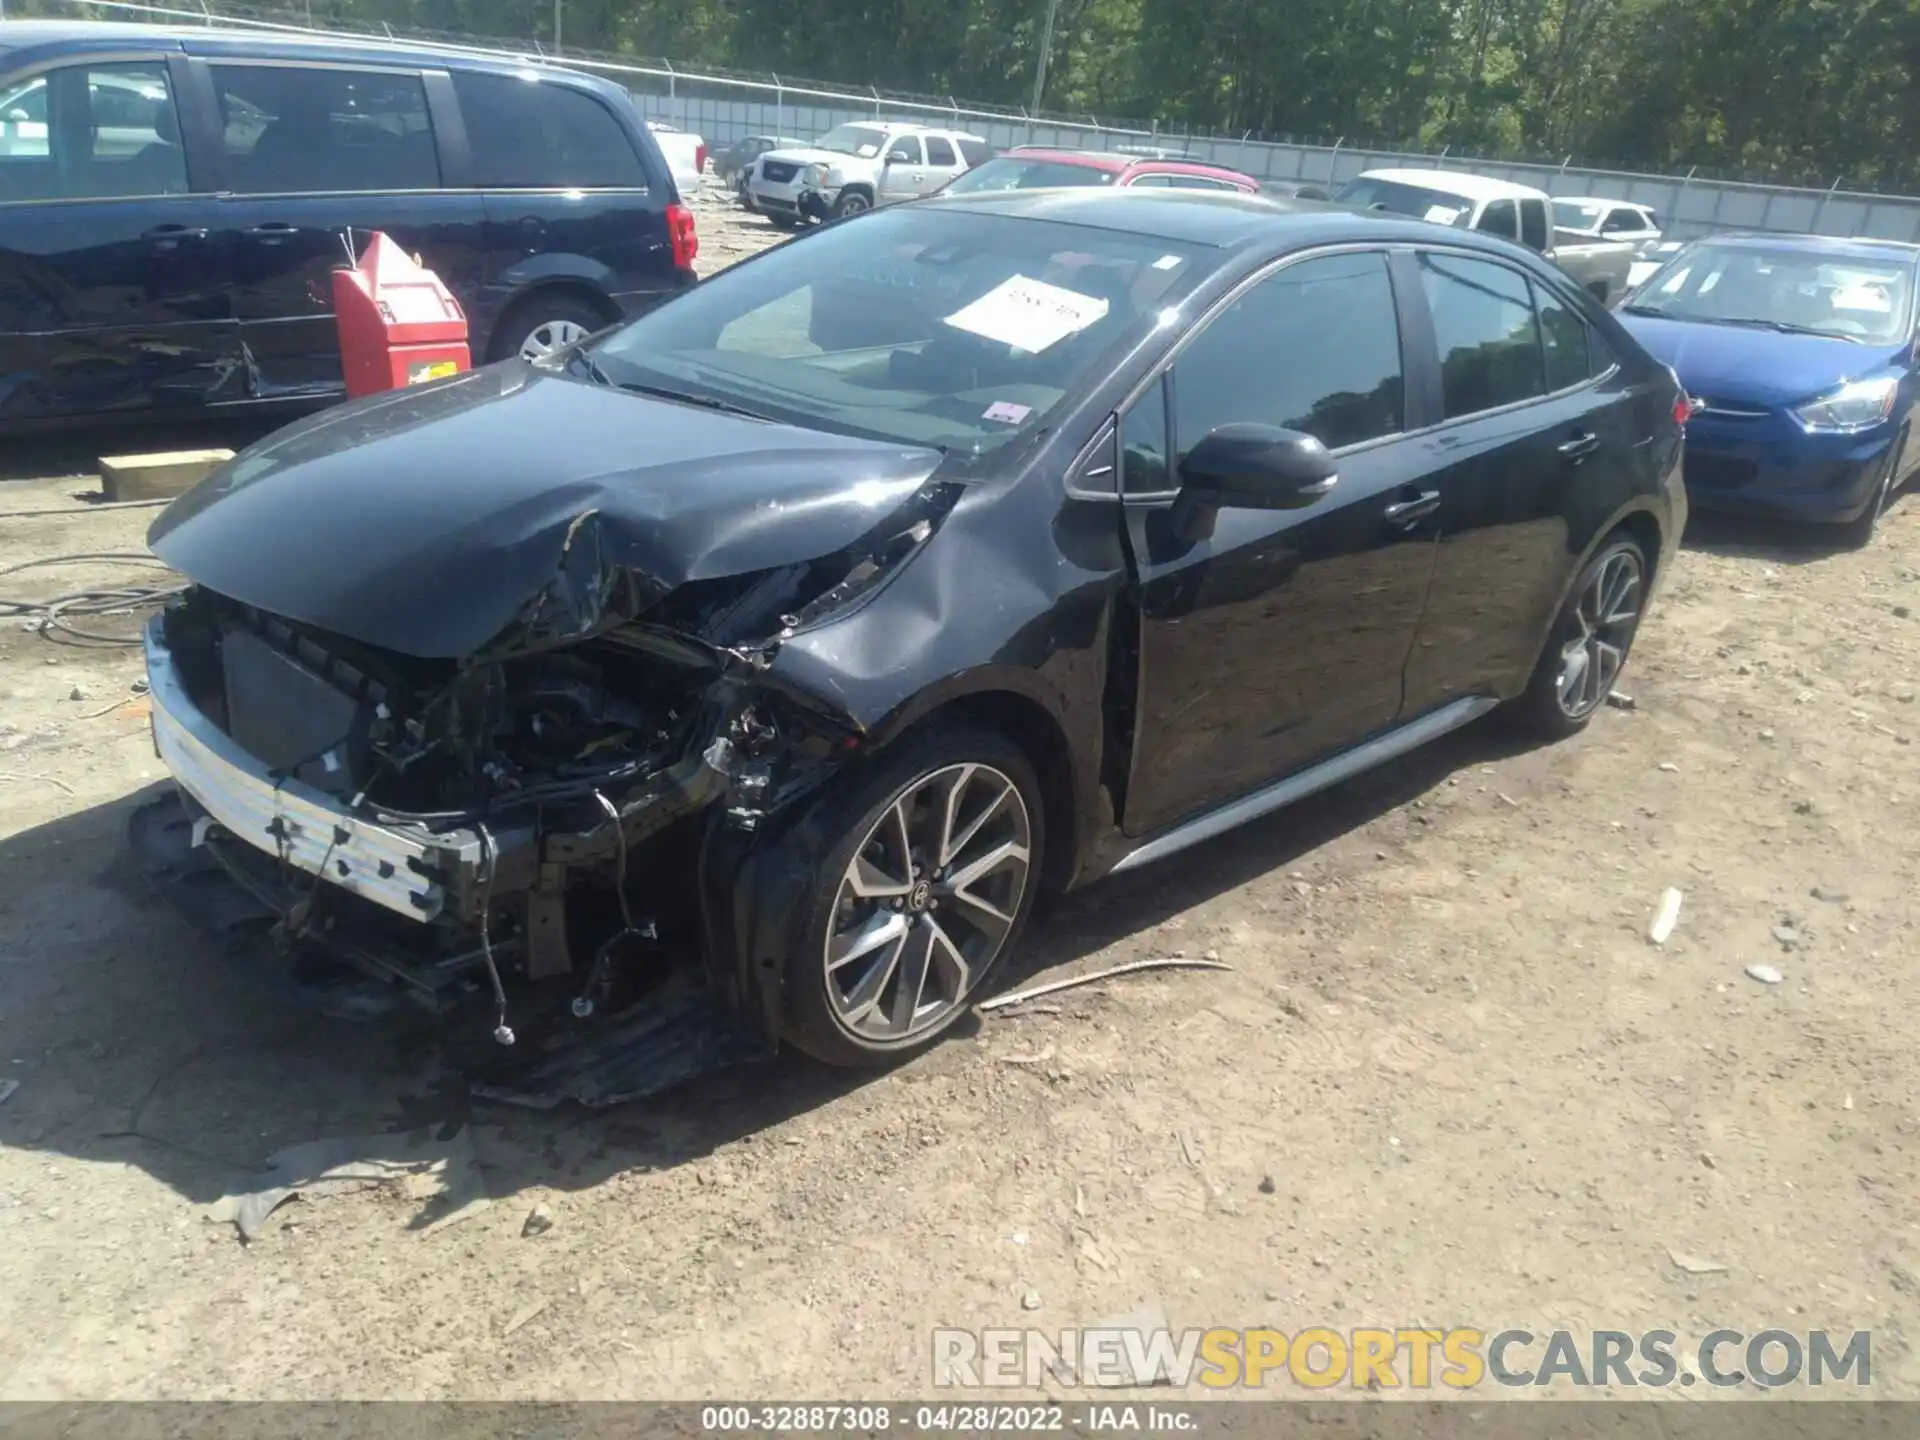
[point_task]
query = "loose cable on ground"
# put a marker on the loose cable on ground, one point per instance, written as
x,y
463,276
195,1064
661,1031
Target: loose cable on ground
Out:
x,y
52,614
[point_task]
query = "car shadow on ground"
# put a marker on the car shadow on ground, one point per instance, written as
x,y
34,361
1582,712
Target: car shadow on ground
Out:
x,y
1777,542
135,1044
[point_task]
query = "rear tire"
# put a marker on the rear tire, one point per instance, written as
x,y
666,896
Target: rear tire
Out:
x,y
1588,646
919,900
543,323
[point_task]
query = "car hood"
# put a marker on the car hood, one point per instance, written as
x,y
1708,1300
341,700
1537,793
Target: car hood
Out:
x,y
1761,367
807,155
515,506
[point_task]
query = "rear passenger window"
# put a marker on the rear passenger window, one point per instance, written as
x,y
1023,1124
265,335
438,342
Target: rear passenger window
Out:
x,y
539,135
939,152
293,129
1483,321
1265,359
1563,338
1533,224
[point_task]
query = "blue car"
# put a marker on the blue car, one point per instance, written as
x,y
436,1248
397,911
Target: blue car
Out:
x,y
1799,353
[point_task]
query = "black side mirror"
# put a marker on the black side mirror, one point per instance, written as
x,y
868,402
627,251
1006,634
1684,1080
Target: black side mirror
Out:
x,y
1257,467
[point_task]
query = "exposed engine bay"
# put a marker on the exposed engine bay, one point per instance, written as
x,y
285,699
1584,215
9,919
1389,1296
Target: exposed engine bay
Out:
x,y
516,829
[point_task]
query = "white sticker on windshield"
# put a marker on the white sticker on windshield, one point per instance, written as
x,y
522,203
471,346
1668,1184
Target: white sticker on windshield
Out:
x,y
1028,314
1443,214
1166,262
1863,297
1007,413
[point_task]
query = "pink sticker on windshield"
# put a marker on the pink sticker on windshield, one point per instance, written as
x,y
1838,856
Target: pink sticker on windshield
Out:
x,y
1007,413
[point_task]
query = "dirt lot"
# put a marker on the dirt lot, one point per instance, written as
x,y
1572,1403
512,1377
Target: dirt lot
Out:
x,y
1447,1081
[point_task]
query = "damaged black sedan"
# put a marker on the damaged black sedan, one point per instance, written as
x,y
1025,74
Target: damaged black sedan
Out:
x,y
809,626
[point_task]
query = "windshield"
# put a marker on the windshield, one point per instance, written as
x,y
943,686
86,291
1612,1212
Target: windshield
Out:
x,y
1580,216
924,325
1398,199
1009,173
1783,289
861,140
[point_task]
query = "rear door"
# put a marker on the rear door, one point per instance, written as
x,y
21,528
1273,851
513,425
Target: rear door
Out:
x,y
943,163
1537,432
1272,638
570,197
113,277
319,157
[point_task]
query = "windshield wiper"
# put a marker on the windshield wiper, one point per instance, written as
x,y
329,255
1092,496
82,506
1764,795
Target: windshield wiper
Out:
x,y
1646,310
1787,327
687,397
587,363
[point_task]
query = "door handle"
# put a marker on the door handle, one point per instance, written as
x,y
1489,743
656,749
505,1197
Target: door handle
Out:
x,y
1580,446
1406,512
272,232
170,235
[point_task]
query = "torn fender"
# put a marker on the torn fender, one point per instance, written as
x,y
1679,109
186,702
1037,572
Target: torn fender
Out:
x,y
517,504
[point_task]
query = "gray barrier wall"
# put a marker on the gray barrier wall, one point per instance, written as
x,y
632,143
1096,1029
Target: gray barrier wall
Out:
x,y
1686,207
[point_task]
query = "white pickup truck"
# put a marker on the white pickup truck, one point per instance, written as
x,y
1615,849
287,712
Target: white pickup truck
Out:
x,y
686,155
1497,207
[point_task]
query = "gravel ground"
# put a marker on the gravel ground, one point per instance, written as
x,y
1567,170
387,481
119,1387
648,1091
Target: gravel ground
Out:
x,y
1446,1082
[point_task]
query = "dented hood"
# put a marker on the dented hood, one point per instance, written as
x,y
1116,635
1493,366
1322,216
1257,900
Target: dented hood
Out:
x,y
516,505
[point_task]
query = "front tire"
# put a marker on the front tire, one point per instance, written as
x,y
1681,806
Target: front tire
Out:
x,y
922,896
852,202
1589,644
1857,534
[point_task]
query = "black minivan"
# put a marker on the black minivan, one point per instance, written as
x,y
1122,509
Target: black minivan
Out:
x,y
173,202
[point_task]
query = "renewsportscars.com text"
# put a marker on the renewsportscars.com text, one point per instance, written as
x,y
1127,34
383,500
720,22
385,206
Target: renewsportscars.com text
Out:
x,y
1463,1358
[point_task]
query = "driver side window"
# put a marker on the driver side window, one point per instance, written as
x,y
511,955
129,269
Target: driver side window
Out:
x,y
1264,359
910,145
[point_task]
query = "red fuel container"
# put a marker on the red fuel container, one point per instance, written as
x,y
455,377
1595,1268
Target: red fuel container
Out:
x,y
399,325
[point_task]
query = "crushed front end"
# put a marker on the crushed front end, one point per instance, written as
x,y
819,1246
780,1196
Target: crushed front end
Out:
x,y
518,838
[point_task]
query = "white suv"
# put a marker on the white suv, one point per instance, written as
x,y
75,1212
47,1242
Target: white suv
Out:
x,y
858,166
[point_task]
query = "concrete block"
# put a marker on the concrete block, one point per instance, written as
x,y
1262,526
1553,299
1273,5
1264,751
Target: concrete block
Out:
x,y
160,476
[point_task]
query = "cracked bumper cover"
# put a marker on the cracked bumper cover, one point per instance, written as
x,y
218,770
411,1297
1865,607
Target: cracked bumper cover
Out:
x,y
413,872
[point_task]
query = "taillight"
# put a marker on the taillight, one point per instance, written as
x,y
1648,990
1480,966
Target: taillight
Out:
x,y
683,235
1682,408
699,159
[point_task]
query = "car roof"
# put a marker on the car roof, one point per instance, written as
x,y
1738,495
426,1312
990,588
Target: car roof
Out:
x,y
1600,200
1843,246
1477,188
1221,218
24,37
1114,161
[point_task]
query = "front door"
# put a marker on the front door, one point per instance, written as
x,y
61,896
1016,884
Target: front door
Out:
x,y
318,158
113,277
1274,638
904,174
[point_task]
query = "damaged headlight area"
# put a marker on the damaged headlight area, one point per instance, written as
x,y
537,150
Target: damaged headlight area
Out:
x,y
450,828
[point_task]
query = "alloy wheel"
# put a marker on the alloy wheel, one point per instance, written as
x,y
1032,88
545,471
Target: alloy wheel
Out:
x,y
927,902
852,205
549,336
1604,617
